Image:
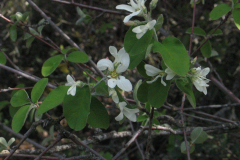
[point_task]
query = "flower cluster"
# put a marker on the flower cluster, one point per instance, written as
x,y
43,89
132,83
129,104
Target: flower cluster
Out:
x,y
114,69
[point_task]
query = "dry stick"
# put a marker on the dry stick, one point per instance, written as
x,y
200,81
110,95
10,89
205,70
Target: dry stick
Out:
x,y
12,89
28,156
149,134
78,157
31,77
59,137
66,37
193,21
136,141
9,60
212,106
25,137
128,144
184,129
90,7
201,118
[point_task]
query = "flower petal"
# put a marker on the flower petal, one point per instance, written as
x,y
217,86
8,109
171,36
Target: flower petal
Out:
x,y
163,82
127,18
104,64
125,60
119,117
112,82
72,90
124,84
114,95
125,7
122,105
151,24
113,51
151,71
205,71
137,29
139,35
153,79
70,81
130,114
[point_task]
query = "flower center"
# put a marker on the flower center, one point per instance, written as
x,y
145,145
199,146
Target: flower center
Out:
x,y
113,74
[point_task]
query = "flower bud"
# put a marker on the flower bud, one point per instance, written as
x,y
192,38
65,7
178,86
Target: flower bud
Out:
x,y
153,4
131,23
194,61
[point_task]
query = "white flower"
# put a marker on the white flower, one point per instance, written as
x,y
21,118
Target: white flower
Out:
x,y
129,113
113,93
73,84
199,79
120,65
170,74
136,7
142,29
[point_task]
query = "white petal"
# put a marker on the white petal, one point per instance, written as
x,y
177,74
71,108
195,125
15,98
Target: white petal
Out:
x,y
127,18
151,71
119,117
104,64
125,60
163,82
115,98
113,51
72,90
70,81
153,79
139,35
130,114
125,7
133,4
205,71
170,76
151,24
112,82
122,105
137,29
124,84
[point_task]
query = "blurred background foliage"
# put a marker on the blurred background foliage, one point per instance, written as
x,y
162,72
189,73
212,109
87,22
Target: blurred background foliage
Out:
x,y
95,36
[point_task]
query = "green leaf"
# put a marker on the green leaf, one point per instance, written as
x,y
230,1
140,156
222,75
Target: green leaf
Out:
x,y
80,12
142,70
142,93
135,90
25,16
78,57
20,118
142,118
206,49
3,59
18,86
51,64
65,51
102,88
40,28
219,11
134,46
38,89
26,36
13,32
54,98
29,41
159,22
196,31
98,116
19,98
217,32
236,17
77,108
3,142
198,135
157,93
80,20
13,110
3,104
186,87
237,6
33,31
174,55
10,142
136,59
183,147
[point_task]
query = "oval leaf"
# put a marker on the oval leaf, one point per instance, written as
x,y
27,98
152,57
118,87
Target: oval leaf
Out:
x,y
196,31
98,116
78,57
3,142
183,147
13,32
206,49
38,89
136,59
77,108
216,33
3,59
3,104
159,23
19,98
198,135
51,64
54,98
174,55
142,70
20,118
157,93
236,17
219,11
142,93
186,87
134,46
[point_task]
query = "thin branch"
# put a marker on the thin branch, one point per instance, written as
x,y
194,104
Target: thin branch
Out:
x,y
193,22
149,140
128,144
184,130
28,156
9,60
212,106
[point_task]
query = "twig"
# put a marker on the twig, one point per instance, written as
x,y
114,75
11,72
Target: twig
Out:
x,y
184,129
12,89
149,140
128,144
201,118
212,106
86,72
65,36
28,156
9,60
59,137
193,22
78,157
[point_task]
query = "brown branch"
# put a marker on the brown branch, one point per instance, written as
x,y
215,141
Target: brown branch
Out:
x,y
193,22
28,156
149,140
